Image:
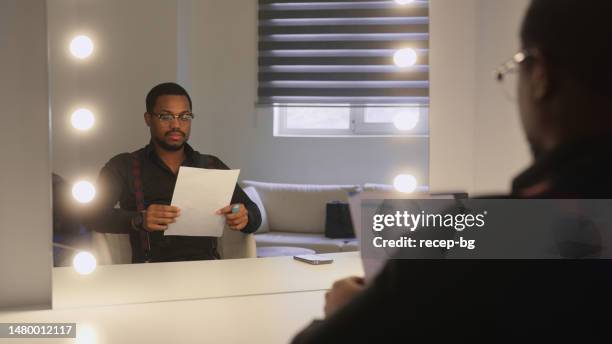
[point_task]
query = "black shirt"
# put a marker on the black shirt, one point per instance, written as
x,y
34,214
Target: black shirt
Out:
x,y
116,186
576,170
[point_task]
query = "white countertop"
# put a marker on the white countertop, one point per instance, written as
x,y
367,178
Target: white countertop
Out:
x,y
266,300
265,319
139,283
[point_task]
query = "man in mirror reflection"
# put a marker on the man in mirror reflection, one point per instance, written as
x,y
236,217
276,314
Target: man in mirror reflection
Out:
x,y
135,189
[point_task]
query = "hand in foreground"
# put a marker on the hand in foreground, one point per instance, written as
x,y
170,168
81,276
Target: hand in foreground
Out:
x,y
341,293
235,220
158,217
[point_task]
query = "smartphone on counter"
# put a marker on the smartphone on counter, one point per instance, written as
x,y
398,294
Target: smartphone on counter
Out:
x,y
313,259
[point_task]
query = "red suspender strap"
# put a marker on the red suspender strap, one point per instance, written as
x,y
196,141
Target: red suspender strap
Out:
x,y
140,205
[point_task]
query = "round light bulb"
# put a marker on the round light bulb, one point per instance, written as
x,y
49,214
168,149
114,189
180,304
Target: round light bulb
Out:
x,y
405,58
82,119
404,2
81,47
407,119
86,334
83,192
405,183
84,263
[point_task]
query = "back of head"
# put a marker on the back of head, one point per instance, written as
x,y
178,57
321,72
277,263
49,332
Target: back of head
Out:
x,y
575,37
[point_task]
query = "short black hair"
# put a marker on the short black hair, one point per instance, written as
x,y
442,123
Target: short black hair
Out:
x,y
165,89
575,37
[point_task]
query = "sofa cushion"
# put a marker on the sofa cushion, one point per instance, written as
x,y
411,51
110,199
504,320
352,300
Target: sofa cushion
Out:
x,y
254,196
299,208
317,242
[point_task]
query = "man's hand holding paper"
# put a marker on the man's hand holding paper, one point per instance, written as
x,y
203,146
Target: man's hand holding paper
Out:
x,y
236,215
159,217
202,197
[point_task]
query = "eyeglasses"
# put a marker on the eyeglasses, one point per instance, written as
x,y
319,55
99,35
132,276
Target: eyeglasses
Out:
x,y
511,66
168,117
506,74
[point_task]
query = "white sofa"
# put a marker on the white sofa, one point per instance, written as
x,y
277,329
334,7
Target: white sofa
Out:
x,y
294,215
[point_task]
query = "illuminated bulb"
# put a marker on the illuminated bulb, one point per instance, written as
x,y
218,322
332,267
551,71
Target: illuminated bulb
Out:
x,y
83,192
407,119
405,183
82,119
404,2
84,263
85,334
405,57
81,47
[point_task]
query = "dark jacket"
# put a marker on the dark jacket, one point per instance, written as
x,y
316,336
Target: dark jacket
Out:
x,y
493,301
116,186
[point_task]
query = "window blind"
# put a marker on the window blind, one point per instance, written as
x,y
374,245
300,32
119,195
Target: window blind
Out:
x,y
342,52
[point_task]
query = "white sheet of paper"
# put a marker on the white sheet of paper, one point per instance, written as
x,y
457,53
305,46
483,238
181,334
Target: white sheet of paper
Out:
x,y
199,193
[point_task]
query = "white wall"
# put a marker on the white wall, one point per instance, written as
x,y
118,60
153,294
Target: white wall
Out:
x,y
500,149
453,103
25,176
477,142
135,49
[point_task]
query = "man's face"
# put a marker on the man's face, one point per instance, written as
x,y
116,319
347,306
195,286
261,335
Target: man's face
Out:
x,y
170,135
532,89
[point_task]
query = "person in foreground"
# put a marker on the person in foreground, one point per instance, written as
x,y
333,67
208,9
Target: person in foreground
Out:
x,y
565,101
146,178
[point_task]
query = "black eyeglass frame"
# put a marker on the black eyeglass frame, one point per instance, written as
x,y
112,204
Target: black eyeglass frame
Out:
x,y
183,118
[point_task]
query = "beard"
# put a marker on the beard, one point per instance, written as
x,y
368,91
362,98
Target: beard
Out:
x,y
168,147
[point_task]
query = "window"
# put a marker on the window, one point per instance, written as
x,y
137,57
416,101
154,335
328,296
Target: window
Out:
x,y
344,120
346,67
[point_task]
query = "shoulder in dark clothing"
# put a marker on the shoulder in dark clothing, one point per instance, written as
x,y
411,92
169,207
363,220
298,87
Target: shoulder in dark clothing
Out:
x,y
120,162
